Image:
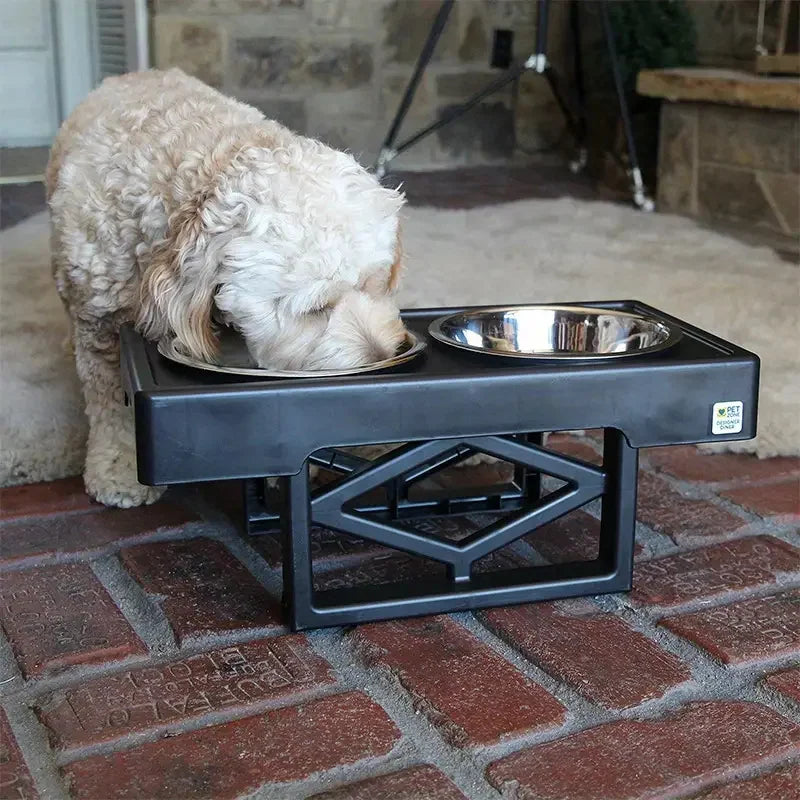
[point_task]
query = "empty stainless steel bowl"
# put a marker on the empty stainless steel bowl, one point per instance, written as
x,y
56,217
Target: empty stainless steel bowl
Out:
x,y
554,332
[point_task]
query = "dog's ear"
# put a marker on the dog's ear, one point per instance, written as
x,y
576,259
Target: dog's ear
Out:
x,y
398,265
177,288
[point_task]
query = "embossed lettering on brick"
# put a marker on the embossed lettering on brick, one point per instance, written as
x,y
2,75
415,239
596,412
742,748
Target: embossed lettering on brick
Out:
x,y
56,617
228,679
715,570
751,629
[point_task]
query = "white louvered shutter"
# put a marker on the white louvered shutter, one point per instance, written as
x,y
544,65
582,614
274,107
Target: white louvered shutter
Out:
x,y
120,34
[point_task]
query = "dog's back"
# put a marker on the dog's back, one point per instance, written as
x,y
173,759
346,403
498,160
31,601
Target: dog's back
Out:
x,y
130,120
127,157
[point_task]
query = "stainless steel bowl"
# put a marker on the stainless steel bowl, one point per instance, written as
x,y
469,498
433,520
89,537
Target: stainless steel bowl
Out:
x,y
234,359
554,332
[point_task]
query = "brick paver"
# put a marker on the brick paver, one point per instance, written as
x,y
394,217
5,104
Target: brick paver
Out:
x,y
573,446
42,499
15,778
229,760
711,571
681,518
573,537
206,589
417,783
405,709
228,679
632,759
472,694
598,655
327,547
391,566
783,784
691,464
751,629
776,500
787,682
74,533
58,617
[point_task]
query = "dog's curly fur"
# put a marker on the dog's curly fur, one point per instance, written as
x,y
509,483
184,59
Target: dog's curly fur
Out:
x,y
173,206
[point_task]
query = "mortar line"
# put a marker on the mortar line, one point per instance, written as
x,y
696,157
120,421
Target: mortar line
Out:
x,y
35,560
429,744
141,609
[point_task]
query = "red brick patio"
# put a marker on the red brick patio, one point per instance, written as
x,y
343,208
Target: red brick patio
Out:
x,y
144,656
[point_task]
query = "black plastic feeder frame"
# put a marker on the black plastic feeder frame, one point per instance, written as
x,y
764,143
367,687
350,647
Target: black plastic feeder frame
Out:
x,y
193,426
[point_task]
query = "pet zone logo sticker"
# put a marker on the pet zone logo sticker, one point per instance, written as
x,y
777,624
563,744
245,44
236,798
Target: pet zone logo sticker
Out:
x,y
726,417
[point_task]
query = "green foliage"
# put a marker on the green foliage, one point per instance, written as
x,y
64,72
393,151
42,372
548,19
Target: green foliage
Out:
x,y
652,34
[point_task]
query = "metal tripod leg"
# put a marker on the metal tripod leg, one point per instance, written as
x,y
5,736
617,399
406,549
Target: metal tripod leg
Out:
x,y
578,164
387,153
640,197
537,62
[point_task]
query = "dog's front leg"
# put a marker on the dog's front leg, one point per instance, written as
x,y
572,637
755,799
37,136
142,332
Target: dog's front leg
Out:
x,y
110,473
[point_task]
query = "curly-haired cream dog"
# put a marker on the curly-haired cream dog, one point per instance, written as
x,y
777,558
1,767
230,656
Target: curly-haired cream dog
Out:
x,y
173,205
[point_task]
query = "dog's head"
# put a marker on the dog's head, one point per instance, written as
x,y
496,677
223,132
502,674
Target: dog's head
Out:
x,y
296,246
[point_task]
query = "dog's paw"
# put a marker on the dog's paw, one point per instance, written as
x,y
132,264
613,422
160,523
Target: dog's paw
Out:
x,y
113,494
118,491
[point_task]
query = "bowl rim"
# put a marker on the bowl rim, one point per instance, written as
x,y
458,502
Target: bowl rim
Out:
x,y
166,347
674,333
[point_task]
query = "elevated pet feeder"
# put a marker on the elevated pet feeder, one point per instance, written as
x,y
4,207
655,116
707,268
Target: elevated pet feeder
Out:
x,y
646,378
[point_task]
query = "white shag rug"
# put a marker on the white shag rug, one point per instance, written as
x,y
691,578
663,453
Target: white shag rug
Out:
x,y
533,251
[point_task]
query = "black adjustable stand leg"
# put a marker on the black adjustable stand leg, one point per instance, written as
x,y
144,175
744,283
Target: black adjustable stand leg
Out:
x,y
618,520
542,10
640,198
298,587
262,513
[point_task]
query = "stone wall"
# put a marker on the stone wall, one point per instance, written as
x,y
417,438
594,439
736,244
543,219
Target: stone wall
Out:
x,y
726,38
731,164
726,31
336,69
